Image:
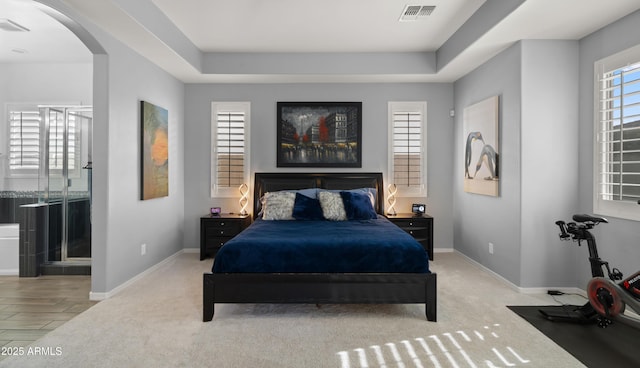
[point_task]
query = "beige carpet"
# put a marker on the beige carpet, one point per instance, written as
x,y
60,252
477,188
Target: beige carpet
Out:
x,y
157,322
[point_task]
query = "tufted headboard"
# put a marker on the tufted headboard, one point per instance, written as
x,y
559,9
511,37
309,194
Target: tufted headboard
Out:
x,y
272,182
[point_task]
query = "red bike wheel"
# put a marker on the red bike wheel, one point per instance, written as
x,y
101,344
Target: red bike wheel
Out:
x,y
601,288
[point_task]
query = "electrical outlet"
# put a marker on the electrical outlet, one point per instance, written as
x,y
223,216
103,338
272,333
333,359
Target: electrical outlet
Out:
x,y
490,248
143,249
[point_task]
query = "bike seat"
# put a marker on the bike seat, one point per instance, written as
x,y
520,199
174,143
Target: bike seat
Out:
x,y
589,218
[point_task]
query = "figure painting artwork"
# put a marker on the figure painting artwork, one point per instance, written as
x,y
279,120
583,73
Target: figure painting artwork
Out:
x,y
155,151
319,134
481,149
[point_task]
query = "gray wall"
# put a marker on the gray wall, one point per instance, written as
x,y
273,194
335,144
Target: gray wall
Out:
x,y
480,219
263,98
538,119
157,222
121,221
549,156
617,240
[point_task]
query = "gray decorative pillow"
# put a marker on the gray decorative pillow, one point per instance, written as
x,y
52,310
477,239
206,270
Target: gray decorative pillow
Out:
x,y
332,206
278,205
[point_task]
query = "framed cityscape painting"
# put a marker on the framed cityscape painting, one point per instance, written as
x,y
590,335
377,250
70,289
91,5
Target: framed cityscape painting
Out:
x,y
154,121
319,134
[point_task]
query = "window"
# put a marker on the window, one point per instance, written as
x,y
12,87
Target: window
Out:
x,y
24,142
617,179
407,148
230,151
25,146
57,141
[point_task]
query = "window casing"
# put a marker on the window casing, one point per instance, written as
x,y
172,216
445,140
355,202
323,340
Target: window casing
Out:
x,y
230,123
617,135
408,148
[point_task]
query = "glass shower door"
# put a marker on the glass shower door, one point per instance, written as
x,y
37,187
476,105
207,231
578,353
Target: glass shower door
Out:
x,y
68,133
78,191
52,172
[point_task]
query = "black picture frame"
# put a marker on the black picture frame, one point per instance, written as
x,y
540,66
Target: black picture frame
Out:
x,y
319,134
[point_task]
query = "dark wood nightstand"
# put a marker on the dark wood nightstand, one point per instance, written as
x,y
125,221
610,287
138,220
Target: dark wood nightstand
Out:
x,y
217,230
420,227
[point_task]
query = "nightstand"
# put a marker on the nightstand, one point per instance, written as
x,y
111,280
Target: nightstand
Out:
x,y
217,230
419,226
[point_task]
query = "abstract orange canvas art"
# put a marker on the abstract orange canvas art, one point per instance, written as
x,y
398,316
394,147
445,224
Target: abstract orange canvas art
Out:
x,y
155,151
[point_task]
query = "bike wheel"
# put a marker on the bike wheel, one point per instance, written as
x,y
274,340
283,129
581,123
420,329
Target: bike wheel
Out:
x,y
601,290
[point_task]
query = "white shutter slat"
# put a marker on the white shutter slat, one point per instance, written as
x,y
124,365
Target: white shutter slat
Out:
x,y
407,148
230,148
24,141
618,136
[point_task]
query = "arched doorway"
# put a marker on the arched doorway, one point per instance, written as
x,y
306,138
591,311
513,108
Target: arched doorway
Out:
x,y
17,79
52,60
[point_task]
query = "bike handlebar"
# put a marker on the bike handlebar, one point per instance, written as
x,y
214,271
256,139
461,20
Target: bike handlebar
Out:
x,y
563,230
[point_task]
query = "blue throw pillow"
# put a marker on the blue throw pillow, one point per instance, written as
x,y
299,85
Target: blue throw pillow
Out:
x,y
358,206
305,208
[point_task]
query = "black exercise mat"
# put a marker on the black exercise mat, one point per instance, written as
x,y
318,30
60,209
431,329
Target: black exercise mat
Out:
x,y
614,346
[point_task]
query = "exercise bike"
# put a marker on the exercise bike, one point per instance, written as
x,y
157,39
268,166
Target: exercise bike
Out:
x,y
608,297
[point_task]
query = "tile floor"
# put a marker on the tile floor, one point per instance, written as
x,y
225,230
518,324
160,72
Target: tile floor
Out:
x,y
32,307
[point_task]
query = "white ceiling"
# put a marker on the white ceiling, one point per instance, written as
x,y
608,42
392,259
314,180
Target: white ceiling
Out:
x,y
315,26
46,41
177,35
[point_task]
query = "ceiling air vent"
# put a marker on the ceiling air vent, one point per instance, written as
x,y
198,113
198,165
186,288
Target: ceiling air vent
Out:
x,y
416,12
11,26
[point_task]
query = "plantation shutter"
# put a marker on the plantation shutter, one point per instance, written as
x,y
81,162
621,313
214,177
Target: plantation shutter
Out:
x,y
230,150
24,141
618,138
407,147
56,141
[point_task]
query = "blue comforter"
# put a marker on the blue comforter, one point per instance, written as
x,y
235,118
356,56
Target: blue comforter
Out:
x,y
374,245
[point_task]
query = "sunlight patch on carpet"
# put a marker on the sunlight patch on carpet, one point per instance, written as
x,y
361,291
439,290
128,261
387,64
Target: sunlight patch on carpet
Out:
x,y
474,348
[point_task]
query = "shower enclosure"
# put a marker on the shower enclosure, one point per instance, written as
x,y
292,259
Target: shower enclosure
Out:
x,y
65,181
46,187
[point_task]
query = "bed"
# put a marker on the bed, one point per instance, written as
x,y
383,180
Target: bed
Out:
x,y
244,272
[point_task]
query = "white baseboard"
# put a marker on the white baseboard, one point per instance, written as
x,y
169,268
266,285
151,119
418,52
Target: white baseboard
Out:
x,y
443,250
191,250
98,296
9,272
543,290
523,290
481,266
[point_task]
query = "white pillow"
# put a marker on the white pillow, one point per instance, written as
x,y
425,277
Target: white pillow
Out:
x,y
278,205
332,206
